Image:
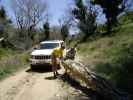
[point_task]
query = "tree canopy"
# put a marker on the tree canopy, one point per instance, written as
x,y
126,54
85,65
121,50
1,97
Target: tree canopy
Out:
x,y
46,28
111,9
86,18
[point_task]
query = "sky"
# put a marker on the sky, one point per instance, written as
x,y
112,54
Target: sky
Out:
x,y
56,9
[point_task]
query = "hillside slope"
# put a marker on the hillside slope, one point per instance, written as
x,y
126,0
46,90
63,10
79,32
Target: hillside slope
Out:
x,y
111,57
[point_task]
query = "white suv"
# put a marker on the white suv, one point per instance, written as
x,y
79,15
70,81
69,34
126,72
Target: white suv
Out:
x,y
42,55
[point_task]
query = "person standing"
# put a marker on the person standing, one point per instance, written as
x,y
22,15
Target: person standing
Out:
x,y
57,54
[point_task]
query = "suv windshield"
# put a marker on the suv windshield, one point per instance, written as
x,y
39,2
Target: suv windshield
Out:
x,y
49,45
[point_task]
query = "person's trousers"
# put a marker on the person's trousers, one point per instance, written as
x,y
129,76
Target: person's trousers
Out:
x,y
54,64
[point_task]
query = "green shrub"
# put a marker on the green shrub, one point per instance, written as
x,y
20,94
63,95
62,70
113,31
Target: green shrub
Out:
x,y
13,63
112,57
119,69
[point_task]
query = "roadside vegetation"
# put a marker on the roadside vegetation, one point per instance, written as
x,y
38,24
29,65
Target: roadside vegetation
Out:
x,y
111,56
12,61
106,48
4,52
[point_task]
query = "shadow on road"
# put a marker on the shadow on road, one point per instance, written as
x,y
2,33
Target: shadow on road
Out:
x,y
40,69
50,78
93,95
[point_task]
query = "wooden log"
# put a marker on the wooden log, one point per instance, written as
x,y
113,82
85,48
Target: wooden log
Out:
x,y
97,83
76,71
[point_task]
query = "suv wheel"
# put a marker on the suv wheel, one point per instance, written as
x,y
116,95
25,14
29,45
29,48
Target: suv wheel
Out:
x,y
32,67
58,66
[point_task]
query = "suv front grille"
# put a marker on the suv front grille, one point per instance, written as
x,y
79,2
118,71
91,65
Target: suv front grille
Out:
x,y
43,57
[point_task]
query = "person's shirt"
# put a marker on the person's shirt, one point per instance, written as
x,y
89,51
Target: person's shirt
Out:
x,y
57,52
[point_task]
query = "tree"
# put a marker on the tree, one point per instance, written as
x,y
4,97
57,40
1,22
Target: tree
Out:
x,y
64,31
5,23
2,12
85,17
2,16
111,9
65,24
55,33
29,13
46,28
6,29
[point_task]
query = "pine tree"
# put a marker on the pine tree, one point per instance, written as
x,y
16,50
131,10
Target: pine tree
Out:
x,y
86,18
111,9
64,31
46,28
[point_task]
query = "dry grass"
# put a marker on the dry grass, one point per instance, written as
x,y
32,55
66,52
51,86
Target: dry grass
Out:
x,y
11,63
110,56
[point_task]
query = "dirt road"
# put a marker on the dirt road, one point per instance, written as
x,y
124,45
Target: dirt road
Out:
x,y
28,85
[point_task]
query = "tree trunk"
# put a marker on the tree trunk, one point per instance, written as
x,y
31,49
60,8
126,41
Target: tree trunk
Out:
x,y
97,83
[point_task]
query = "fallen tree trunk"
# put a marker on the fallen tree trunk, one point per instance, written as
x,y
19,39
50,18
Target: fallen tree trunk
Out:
x,y
80,73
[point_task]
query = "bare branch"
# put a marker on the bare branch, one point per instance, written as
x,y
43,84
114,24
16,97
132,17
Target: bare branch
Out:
x,y
29,12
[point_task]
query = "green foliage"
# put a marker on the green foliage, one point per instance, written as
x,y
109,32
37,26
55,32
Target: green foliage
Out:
x,y
64,31
12,61
46,28
2,13
16,38
126,18
111,9
3,22
119,69
7,30
112,57
86,19
24,58
5,52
